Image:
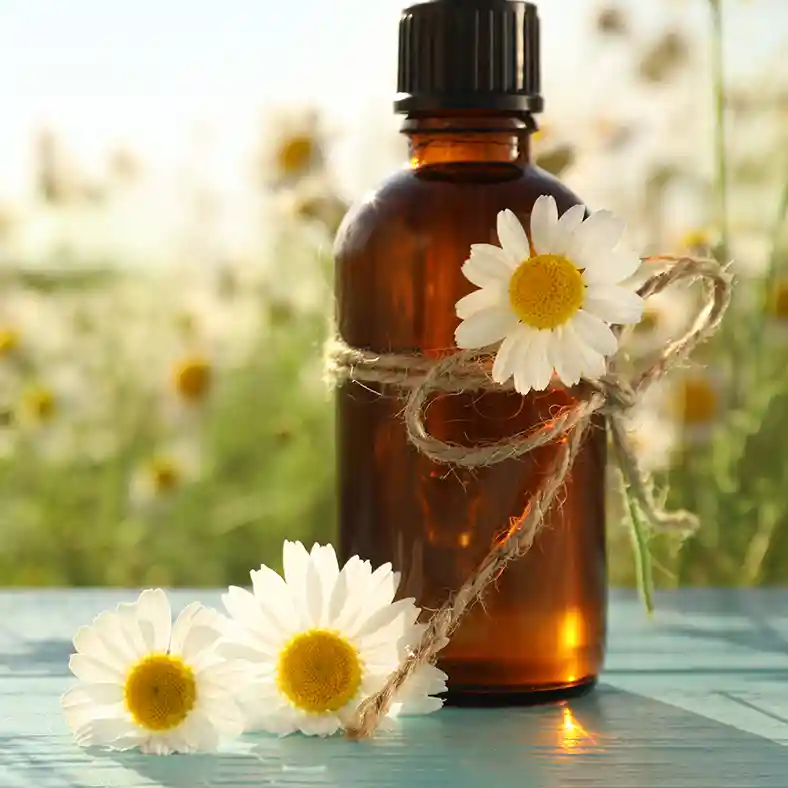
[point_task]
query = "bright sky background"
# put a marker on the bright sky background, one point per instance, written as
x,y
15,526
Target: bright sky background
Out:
x,y
144,71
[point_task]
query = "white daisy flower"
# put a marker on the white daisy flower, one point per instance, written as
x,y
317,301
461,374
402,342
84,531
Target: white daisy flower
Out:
x,y
150,684
551,299
321,640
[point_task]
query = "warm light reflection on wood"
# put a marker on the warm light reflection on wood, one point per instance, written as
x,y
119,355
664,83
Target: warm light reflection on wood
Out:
x,y
572,733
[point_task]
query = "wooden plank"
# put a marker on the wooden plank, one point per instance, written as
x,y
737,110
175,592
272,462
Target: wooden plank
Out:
x,y
697,697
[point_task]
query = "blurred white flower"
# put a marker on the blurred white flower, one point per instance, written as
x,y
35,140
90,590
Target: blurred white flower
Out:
x,y
666,316
654,437
695,399
164,473
293,146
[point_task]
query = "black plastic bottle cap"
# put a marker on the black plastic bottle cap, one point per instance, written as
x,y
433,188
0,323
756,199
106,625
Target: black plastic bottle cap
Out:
x,y
469,55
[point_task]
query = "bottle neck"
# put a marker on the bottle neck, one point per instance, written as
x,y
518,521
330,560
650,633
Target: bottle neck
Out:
x,y
496,139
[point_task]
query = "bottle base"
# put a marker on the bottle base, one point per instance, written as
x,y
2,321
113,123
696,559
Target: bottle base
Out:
x,y
463,696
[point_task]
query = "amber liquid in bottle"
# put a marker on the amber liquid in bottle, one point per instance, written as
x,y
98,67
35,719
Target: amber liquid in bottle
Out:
x,y
540,632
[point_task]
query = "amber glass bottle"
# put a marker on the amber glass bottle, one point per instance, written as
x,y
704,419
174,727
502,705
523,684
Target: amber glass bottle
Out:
x,y
540,633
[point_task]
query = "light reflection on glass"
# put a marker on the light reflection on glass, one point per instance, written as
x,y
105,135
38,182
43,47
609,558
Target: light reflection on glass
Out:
x,y
572,634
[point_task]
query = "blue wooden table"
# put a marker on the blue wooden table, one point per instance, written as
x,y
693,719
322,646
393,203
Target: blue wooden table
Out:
x,y
697,697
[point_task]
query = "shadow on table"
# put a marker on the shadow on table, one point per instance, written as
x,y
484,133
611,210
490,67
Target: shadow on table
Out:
x,y
609,738
39,657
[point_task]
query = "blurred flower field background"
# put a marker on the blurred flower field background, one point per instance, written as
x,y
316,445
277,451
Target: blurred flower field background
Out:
x,y
167,423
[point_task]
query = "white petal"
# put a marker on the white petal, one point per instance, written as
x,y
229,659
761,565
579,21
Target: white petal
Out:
x,y
513,237
106,731
568,364
82,705
242,651
478,300
384,617
94,671
161,744
97,694
568,223
313,595
153,609
130,631
381,588
273,595
417,706
339,599
319,726
608,267
544,221
613,304
280,723
95,641
597,235
197,641
245,610
507,355
193,614
534,370
595,333
325,558
227,675
427,680
295,559
487,265
593,363
224,715
485,328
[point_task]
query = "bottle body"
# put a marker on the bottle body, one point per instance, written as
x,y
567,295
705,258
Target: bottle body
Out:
x,y
540,630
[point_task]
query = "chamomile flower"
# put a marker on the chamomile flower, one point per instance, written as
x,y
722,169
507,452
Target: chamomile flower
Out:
x,y
696,400
550,301
293,148
665,317
192,378
152,684
164,474
321,639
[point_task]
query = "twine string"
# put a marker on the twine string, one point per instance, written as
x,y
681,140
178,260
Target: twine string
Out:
x,y
469,370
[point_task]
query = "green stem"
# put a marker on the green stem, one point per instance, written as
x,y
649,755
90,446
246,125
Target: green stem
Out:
x,y
720,148
643,567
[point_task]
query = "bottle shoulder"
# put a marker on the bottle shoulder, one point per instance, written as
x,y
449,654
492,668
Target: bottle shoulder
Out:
x,y
420,202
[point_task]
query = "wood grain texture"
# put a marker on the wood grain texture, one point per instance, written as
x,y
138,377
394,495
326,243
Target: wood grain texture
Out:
x,y
696,697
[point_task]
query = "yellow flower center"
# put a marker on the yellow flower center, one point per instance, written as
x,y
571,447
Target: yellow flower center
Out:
x,y
160,692
295,153
697,401
39,404
319,671
779,302
696,239
192,379
9,341
165,474
545,291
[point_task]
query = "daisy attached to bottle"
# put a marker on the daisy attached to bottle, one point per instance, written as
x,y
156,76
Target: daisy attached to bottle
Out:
x,y
321,640
152,684
550,300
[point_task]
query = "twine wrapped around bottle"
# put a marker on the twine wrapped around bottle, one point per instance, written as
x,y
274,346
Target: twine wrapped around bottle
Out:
x,y
469,370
